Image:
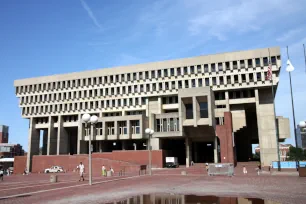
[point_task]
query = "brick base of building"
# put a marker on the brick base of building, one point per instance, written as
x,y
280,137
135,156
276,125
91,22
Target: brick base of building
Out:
x,y
128,160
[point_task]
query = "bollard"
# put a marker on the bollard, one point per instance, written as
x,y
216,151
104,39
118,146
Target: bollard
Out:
x,y
109,173
183,173
53,178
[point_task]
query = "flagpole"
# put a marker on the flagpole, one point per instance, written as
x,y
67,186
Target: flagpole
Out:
x,y
292,103
276,128
304,56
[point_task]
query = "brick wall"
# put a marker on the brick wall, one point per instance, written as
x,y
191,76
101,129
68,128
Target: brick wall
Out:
x,y
224,133
129,160
3,137
19,164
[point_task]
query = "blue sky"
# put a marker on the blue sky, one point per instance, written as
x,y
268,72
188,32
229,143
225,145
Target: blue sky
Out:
x,y
40,38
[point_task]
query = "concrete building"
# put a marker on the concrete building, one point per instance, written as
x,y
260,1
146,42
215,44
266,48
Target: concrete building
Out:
x,y
8,150
203,109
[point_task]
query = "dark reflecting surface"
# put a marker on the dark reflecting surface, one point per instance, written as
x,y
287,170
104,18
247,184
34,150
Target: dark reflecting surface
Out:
x,y
191,199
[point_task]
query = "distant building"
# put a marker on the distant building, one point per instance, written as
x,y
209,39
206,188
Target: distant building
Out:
x,y
283,149
301,137
8,150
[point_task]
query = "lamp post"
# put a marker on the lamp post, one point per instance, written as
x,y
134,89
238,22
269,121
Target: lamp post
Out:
x,y
87,119
289,69
149,132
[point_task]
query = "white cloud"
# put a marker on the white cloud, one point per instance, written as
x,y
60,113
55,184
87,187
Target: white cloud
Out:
x,y
91,14
288,35
244,16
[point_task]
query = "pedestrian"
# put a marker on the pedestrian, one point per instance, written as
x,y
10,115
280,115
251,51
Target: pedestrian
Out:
x,y
192,163
8,172
25,172
81,168
1,173
207,167
103,170
258,169
112,171
244,170
270,167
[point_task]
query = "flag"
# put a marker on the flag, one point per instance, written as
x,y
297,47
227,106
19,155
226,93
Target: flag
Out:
x,y
269,74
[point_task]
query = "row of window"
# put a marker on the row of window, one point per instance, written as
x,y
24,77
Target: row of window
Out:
x,y
110,126
244,93
90,105
205,68
167,125
140,88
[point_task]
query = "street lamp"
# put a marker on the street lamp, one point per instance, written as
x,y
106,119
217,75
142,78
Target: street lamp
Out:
x,y
289,69
149,132
86,118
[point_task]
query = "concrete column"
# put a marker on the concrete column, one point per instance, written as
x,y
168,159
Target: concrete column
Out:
x,y
266,126
81,149
129,129
62,137
52,138
196,111
33,143
216,150
188,152
155,143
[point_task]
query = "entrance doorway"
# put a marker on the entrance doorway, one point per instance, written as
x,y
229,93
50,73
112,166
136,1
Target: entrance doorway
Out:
x,y
203,152
175,148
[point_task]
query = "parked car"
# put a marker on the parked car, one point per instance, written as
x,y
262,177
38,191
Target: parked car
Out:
x,y
54,169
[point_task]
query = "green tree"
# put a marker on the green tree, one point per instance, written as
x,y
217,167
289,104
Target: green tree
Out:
x,y
296,154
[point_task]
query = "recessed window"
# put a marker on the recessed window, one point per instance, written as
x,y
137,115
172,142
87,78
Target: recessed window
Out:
x,y
192,69
257,61
189,111
205,68
203,109
199,69
213,67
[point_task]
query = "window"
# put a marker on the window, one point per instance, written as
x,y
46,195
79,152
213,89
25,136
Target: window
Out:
x,y
152,74
172,71
165,72
159,73
192,69
242,65
179,84
164,100
235,65
147,87
105,80
221,79
193,83
158,126
227,66
189,111
257,61
160,86
199,69
213,67
265,61
140,76
214,81
146,75
251,77
128,77
236,80
219,96
273,60
135,88
179,71
243,78
220,106
206,81
250,63
122,127
200,82
205,68
134,76
220,67
203,110
185,70
135,126
258,76
186,84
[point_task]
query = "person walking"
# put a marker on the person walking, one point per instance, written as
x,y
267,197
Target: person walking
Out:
x,y
258,169
112,171
1,173
81,168
270,167
103,170
244,170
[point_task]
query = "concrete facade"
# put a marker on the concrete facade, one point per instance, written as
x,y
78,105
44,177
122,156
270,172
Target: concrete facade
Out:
x,y
185,101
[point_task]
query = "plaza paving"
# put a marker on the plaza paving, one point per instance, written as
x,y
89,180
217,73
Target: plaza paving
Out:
x,y
36,188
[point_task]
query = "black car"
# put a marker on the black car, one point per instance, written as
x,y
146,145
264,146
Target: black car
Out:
x,y
171,165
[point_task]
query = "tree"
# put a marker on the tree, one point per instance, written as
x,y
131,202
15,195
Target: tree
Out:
x,y
296,154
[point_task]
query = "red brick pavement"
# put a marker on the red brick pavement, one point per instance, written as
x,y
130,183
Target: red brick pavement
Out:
x,y
286,189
